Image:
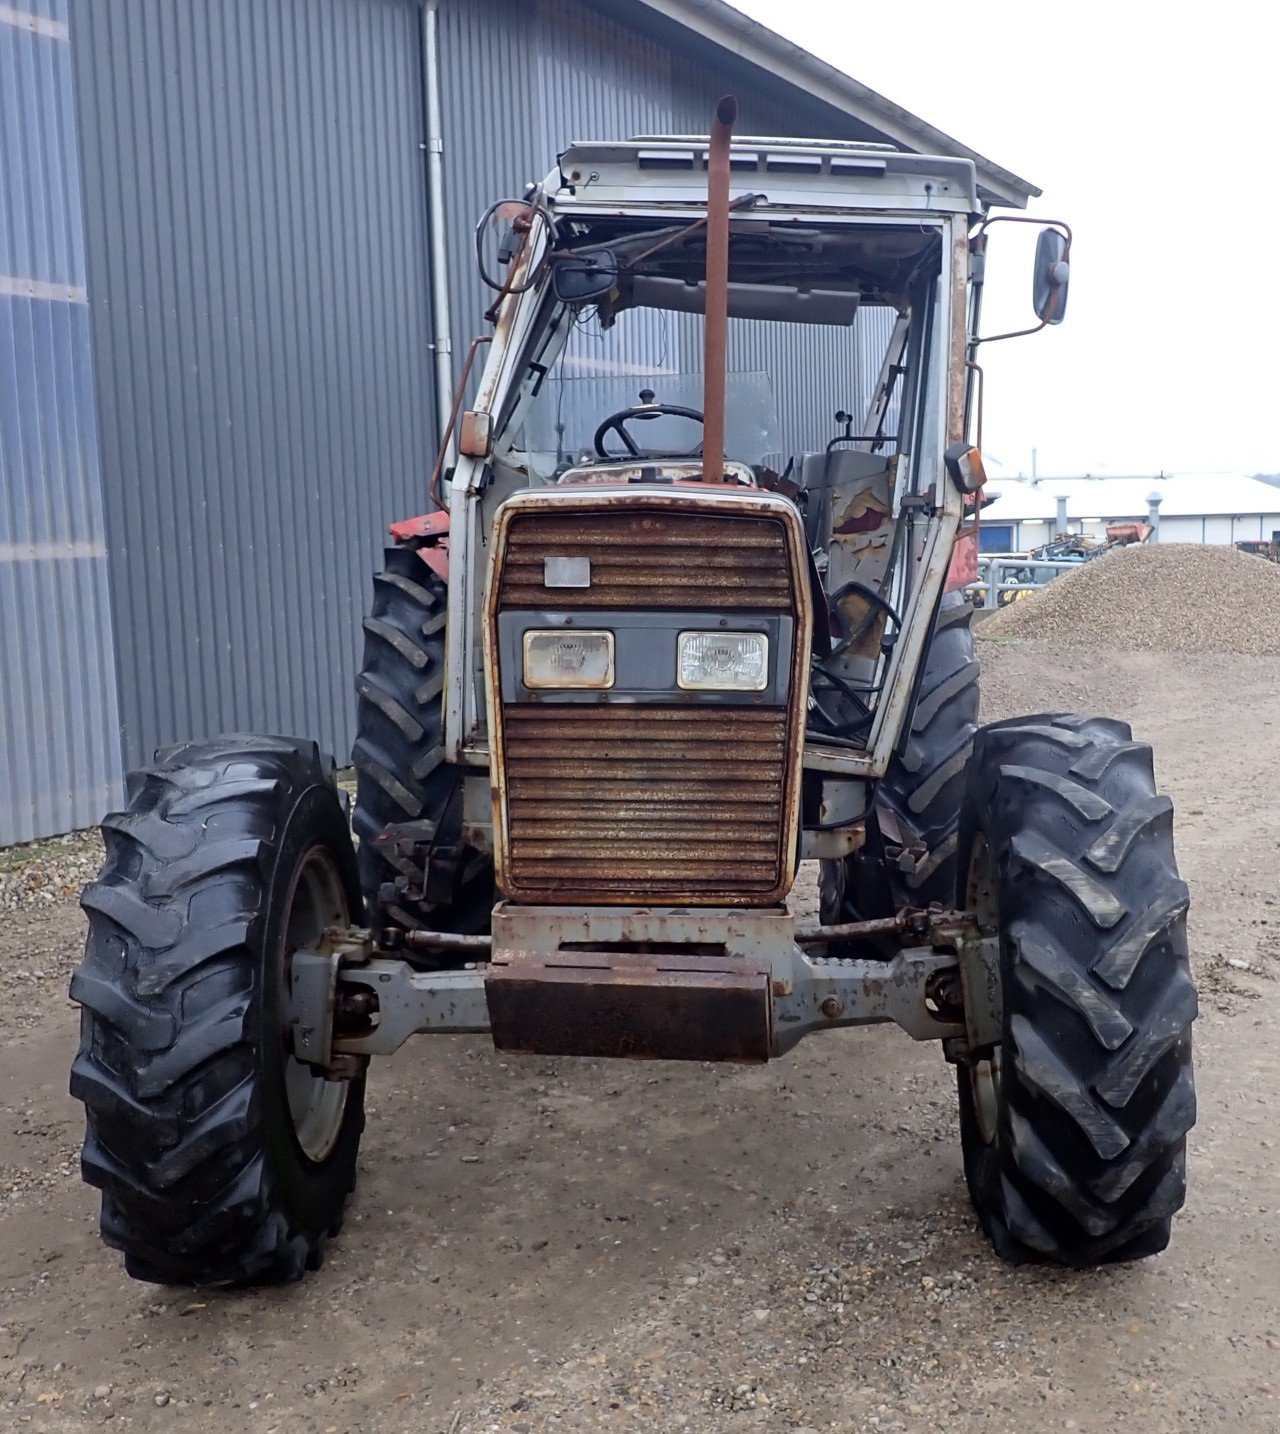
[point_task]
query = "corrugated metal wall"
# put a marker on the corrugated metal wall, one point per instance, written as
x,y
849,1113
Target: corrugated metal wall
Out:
x,y
524,77
59,746
255,208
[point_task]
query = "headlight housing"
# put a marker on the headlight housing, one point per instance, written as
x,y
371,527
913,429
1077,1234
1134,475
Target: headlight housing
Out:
x,y
722,661
561,657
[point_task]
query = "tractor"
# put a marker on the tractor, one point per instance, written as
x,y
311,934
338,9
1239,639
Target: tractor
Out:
x,y
667,632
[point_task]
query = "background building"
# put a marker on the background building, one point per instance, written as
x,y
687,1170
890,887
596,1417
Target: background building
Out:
x,y
1206,508
223,339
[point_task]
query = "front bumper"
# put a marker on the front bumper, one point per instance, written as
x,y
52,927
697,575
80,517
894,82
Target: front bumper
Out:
x,y
683,984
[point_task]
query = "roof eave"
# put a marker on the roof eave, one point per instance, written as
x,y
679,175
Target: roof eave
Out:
x,y
782,58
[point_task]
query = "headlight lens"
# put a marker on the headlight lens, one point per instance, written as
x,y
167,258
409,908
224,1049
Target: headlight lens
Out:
x,y
560,658
723,661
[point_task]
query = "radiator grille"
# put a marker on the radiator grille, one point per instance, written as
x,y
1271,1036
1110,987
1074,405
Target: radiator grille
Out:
x,y
642,802
650,559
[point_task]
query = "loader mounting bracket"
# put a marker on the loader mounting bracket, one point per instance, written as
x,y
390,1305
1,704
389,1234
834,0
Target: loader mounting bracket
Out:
x,y
682,984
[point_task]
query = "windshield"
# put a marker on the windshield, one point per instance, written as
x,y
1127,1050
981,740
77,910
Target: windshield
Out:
x,y
817,353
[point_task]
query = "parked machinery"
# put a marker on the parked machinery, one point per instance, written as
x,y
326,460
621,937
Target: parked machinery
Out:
x,y
651,653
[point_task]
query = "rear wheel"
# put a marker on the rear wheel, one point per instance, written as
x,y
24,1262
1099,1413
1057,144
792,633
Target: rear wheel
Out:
x,y
1074,1126
408,798
221,1159
910,855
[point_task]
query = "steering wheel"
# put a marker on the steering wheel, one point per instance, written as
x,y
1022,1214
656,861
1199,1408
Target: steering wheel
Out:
x,y
644,410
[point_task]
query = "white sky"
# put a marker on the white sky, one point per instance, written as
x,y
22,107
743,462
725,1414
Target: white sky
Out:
x,y
1152,129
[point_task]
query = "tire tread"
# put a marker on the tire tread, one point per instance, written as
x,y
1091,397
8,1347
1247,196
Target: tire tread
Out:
x,y
166,990
1097,1097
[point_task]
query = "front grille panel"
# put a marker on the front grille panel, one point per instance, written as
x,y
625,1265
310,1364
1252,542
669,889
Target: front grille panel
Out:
x,y
643,802
650,559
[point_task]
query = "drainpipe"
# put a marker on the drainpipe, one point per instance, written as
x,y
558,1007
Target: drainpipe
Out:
x,y
441,347
1060,523
1153,516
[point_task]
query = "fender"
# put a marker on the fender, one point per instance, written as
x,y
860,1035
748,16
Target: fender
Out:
x,y
429,534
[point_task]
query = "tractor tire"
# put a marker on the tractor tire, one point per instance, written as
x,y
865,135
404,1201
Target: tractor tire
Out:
x,y
221,1159
401,774
909,858
1074,1127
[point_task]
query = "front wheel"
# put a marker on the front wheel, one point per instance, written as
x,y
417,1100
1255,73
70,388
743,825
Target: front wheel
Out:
x,y
1074,1126
221,1159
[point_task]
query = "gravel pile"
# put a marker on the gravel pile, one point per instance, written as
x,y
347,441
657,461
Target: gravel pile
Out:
x,y
1170,597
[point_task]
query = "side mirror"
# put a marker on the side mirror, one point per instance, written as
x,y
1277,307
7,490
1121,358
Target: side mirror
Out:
x,y
585,276
1053,272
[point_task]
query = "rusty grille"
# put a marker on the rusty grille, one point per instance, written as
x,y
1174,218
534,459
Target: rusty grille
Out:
x,y
630,802
650,559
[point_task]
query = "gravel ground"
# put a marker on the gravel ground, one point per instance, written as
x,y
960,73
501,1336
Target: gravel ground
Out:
x,y
1170,597
542,1245
46,873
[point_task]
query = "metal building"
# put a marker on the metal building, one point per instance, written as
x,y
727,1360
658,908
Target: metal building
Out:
x,y
1212,508
231,302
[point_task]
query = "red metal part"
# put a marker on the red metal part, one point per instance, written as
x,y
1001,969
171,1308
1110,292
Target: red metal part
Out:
x,y
431,531
429,525
964,559
1121,534
436,558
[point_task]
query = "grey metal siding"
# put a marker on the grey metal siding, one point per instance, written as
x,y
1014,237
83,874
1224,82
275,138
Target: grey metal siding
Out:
x,y
524,77
59,722
255,212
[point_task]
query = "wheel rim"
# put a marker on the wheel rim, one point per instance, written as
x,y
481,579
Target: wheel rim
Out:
x,y
984,1075
317,900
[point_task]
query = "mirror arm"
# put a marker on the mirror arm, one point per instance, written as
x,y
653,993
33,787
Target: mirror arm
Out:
x,y
1015,334
986,224
979,244
981,388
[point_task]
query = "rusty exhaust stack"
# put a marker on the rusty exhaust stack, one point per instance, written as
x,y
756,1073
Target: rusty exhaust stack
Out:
x,y
715,356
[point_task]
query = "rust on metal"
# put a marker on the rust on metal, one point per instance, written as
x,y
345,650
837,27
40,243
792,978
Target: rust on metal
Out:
x,y
674,471
959,335
812,934
637,1005
944,994
858,546
622,803
618,802
715,356
476,947
647,560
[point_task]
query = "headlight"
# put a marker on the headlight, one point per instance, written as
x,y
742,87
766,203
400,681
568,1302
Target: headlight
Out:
x,y
723,661
560,658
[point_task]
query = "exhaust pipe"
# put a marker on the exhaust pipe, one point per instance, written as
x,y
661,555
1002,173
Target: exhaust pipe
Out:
x,y
715,356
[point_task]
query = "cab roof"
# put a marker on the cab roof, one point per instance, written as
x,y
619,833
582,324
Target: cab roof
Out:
x,y
788,172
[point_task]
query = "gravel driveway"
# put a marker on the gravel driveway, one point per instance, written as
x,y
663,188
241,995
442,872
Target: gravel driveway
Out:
x,y
546,1245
